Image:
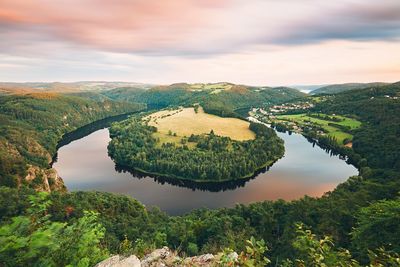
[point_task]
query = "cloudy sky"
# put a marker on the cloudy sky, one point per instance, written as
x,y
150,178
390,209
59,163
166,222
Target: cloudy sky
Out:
x,y
257,42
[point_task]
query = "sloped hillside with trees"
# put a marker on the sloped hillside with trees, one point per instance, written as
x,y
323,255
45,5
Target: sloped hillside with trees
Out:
x,y
32,124
222,99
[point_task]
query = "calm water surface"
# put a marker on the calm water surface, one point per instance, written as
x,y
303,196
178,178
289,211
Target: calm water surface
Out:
x,y
304,170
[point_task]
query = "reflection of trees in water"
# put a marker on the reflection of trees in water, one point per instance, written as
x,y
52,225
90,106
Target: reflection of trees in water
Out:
x,y
202,186
86,130
332,151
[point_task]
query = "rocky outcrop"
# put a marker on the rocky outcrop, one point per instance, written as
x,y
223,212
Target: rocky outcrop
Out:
x,y
39,178
159,256
163,257
44,179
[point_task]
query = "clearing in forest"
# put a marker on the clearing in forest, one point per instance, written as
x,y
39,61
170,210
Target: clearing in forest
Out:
x,y
186,121
330,123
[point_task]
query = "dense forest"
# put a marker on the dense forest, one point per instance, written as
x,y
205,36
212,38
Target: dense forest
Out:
x,y
361,216
213,158
57,229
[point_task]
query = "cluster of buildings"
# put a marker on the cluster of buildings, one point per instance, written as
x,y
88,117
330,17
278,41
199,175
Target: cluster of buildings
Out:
x,y
290,106
270,115
272,111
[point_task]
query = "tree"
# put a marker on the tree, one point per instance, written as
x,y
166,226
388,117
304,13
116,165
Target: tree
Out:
x,y
34,240
378,226
319,253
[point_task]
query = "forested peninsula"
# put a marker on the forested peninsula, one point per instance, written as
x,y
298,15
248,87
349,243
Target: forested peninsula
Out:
x,y
205,157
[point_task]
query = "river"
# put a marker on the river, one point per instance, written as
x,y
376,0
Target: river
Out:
x,y
305,169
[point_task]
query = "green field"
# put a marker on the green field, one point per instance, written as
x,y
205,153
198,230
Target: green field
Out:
x,y
339,134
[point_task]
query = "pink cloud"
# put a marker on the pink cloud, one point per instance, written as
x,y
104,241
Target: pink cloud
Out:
x,y
179,27
113,25
253,42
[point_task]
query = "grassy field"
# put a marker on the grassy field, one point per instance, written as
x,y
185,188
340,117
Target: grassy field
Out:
x,y
332,131
186,121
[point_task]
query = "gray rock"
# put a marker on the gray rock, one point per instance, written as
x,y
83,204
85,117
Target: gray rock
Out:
x,y
118,261
205,258
131,261
163,257
156,255
202,260
108,262
233,256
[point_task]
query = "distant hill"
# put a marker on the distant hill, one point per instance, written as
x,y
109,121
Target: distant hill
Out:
x,y
337,88
70,87
224,99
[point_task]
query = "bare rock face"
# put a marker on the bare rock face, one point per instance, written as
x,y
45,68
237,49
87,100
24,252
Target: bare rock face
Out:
x,y
44,179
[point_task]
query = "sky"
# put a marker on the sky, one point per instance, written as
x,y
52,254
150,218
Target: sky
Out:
x,y
254,42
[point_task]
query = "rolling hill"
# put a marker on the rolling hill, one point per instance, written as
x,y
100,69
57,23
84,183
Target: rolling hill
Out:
x,y
337,88
223,99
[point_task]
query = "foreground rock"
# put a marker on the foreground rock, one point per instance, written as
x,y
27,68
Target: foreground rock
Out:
x,y
118,261
163,257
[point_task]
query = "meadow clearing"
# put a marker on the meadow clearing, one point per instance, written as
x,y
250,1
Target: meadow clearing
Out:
x,y
339,134
185,121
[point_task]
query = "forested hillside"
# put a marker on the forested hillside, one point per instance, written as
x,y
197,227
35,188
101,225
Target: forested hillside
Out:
x,y
31,125
380,134
223,99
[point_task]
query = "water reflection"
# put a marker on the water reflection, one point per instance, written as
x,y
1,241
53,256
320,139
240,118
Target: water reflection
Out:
x,y
88,129
202,186
305,169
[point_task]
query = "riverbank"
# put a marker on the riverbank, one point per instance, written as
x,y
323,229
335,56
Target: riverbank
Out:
x,y
88,129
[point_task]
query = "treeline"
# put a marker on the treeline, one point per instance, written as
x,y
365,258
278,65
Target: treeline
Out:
x,y
344,128
324,117
214,158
